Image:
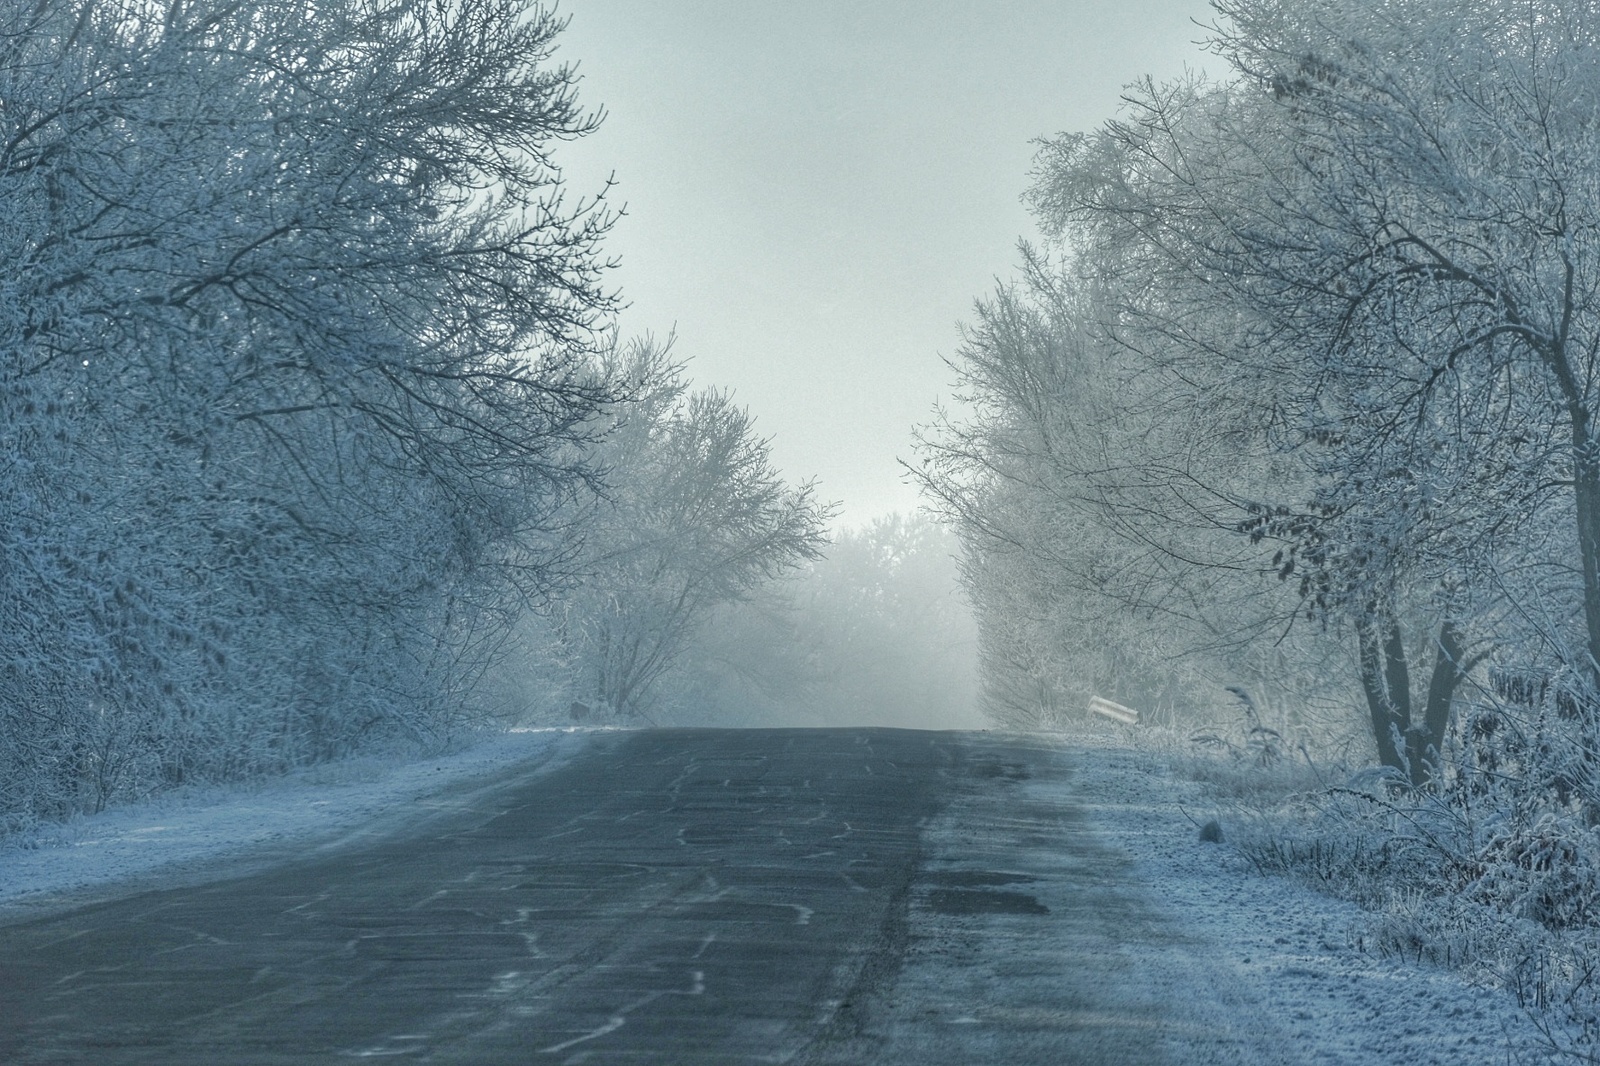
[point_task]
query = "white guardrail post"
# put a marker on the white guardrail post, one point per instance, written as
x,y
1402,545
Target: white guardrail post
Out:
x,y
1115,711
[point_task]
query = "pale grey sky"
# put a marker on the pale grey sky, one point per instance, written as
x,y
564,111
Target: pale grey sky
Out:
x,y
816,192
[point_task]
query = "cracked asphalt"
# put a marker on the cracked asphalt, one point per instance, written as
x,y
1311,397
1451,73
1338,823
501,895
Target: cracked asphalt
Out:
x,y
674,896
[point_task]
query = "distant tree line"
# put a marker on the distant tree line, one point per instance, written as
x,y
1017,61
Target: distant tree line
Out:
x,y
309,394
874,632
1300,391
694,520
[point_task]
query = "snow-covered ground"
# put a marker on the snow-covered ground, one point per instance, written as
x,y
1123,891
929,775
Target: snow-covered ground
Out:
x,y
1304,958
191,833
1272,944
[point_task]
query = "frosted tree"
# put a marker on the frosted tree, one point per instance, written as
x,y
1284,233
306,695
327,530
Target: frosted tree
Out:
x,y
295,364
692,515
883,620
1385,215
1098,494
876,632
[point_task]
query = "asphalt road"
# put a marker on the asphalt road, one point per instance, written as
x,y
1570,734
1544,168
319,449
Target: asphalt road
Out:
x,y
693,896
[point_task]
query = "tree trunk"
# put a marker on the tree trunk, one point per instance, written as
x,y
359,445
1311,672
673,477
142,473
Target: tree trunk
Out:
x,y
1413,748
1586,497
1386,682
1425,741
1586,491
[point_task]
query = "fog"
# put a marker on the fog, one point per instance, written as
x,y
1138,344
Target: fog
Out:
x,y
876,633
817,192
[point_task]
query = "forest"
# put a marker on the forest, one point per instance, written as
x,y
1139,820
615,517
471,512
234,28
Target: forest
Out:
x,y
1298,394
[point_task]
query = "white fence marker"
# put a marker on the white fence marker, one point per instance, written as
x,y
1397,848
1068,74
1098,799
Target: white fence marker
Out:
x,y
1115,711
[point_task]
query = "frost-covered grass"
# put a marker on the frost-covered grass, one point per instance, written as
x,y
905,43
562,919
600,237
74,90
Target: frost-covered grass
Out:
x,y
1491,877
1513,906
1303,960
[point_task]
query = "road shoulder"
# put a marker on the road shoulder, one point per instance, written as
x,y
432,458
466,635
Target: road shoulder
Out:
x,y
211,834
1031,939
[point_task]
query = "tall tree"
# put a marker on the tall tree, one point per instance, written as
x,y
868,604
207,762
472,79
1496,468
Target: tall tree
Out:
x,y
1098,494
693,515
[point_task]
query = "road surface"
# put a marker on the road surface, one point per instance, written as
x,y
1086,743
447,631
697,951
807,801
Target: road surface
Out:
x,y
677,896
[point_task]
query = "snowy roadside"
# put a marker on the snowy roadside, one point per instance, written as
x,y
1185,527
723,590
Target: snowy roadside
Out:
x,y
1280,944
196,832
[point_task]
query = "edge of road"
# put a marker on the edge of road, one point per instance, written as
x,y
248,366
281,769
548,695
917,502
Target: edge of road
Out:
x,y
218,834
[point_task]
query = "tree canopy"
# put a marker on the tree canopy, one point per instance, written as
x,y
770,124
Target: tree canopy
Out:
x,y
296,366
1329,332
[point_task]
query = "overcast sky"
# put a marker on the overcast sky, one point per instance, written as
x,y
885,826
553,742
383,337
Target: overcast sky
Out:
x,y
817,191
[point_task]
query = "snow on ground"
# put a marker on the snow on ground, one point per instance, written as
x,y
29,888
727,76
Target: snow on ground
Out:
x,y
192,833
1297,953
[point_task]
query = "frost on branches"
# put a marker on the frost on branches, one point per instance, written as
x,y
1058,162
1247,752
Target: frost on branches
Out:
x,y
691,516
1332,332
296,330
